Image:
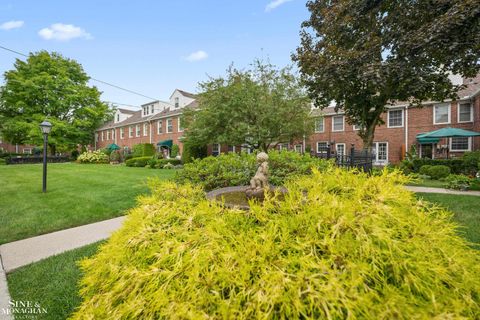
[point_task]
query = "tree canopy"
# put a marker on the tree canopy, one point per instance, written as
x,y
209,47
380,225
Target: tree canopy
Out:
x,y
49,86
365,55
258,108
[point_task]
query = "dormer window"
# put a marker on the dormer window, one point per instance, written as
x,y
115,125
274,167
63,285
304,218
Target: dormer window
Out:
x,y
177,102
118,117
152,108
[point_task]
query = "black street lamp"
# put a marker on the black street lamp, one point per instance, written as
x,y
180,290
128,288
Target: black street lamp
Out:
x,y
46,127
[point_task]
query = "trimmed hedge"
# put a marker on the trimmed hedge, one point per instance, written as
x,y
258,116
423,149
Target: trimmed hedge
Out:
x,y
137,162
143,150
341,245
456,165
435,172
234,169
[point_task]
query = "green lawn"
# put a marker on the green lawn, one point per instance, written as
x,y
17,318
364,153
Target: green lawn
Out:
x,y
428,183
77,194
53,283
466,211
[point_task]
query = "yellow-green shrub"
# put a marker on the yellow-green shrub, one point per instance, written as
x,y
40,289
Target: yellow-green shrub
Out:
x,y
340,246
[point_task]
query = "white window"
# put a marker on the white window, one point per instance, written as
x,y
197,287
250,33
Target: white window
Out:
x,y
357,127
340,148
130,131
108,134
338,123
180,128
320,125
159,127
465,112
118,117
145,129
441,113
177,102
27,150
113,134
153,108
102,135
231,148
122,133
216,149
96,138
322,147
460,144
395,118
299,148
380,150
169,125
283,146
246,149
137,130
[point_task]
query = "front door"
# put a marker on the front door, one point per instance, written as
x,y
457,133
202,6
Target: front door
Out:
x,y
427,150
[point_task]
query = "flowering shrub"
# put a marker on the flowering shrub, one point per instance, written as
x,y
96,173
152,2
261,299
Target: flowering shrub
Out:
x,y
93,157
341,245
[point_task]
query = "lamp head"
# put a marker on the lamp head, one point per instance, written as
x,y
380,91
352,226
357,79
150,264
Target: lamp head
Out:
x,y
46,127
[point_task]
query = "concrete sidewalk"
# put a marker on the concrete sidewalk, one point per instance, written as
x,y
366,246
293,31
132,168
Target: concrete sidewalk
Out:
x,y
20,253
441,190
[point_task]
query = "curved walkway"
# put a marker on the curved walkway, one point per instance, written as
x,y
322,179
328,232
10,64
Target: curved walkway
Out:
x,y
442,190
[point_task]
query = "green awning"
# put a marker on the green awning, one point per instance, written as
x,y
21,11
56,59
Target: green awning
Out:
x,y
113,146
165,143
427,140
448,133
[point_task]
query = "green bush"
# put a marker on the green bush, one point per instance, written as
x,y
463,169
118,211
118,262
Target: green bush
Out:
x,y
175,150
138,162
458,181
425,169
191,152
456,165
234,169
471,162
3,161
439,172
341,245
143,150
115,156
97,156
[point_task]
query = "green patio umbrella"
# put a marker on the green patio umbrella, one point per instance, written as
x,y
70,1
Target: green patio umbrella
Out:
x,y
446,133
113,147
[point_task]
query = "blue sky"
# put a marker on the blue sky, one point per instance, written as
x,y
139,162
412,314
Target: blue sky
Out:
x,y
152,46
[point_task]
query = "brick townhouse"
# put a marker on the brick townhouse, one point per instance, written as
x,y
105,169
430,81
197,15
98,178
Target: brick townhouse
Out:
x,y
159,122
402,126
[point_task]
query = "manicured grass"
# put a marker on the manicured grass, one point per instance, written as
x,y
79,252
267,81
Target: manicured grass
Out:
x,y
466,210
53,283
77,194
428,183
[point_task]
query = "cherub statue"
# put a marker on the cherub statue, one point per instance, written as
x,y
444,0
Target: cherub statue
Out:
x,y
260,181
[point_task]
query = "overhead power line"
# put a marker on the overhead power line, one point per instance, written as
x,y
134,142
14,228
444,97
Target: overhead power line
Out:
x,y
94,79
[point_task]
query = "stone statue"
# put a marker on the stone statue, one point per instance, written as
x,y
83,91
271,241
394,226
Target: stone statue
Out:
x,y
259,183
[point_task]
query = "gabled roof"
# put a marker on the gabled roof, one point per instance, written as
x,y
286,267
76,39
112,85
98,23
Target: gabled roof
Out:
x,y
126,111
185,94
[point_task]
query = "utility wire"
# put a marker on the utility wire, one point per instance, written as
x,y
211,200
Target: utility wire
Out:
x,y
98,80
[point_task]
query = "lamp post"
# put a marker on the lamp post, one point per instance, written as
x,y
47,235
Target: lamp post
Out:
x,y
46,127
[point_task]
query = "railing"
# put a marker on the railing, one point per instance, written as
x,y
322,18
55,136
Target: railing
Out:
x,y
34,159
362,159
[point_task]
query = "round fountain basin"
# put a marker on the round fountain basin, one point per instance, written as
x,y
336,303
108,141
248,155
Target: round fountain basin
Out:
x,y
235,197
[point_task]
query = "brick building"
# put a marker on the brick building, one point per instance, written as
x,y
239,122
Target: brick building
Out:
x,y
159,121
403,124
156,122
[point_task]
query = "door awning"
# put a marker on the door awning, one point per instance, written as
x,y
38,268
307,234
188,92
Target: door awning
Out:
x,y
165,143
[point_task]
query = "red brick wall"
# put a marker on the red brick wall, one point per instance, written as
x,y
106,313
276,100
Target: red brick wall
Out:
x,y
12,148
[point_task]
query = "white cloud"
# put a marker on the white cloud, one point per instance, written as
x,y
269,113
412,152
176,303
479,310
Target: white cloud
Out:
x,y
11,25
274,4
63,32
197,56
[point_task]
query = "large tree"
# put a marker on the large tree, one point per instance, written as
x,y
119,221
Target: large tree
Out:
x,y
259,108
49,86
365,55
